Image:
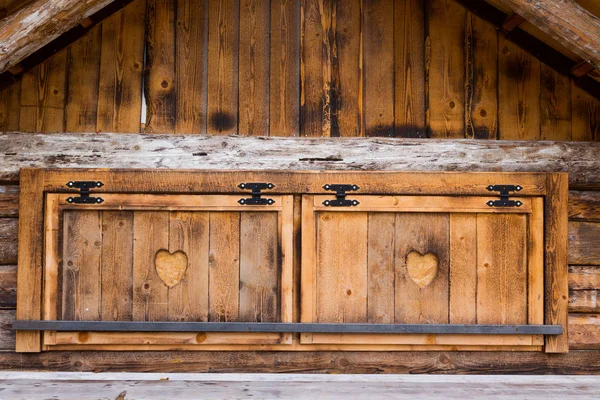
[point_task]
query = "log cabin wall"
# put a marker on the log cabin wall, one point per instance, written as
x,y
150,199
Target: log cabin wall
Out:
x,y
309,68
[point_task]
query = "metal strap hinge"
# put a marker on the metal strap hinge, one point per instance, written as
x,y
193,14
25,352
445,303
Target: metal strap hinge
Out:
x,y
504,194
256,199
340,195
84,192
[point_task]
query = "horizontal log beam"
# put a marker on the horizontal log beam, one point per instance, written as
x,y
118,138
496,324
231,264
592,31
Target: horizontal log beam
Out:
x,y
63,150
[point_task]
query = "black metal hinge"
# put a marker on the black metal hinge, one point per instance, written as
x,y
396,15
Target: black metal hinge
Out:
x,y
340,195
504,194
84,192
256,199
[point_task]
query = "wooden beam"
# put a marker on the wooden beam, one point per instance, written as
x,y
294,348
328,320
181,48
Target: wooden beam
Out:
x,y
92,150
566,21
38,23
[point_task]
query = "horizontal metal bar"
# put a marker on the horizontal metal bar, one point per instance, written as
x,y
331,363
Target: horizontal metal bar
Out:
x,y
283,327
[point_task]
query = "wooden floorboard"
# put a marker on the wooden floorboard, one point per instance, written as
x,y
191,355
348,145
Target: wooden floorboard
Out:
x,y
122,386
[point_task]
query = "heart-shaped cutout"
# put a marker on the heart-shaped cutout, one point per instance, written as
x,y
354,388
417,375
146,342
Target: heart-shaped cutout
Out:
x,y
422,269
170,267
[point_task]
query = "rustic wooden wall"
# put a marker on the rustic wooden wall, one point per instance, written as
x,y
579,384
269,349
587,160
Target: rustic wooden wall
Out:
x,y
405,68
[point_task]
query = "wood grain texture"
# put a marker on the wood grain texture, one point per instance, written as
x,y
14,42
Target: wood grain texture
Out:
x,y
8,287
463,270
191,65
223,63
381,268
555,107
253,71
584,206
518,93
10,100
584,331
8,241
9,201
121,70
584,277
284,82
585,115
584,301
584,243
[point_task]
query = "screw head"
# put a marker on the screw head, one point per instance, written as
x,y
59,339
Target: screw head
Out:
x,y
326,202
270,185
241,185
242,201
519,204
354,202
354,187
490,203
519,188
270,201
490,188
70,184
326,187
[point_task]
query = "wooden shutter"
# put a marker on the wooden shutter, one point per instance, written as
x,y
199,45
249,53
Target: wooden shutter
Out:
x,y
185,258
423,260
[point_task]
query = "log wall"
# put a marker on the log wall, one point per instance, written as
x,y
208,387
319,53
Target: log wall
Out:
x,y
403,68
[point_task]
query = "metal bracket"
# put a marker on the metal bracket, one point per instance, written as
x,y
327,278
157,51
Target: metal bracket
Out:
x,y
84,192
340,195
504,193
256,200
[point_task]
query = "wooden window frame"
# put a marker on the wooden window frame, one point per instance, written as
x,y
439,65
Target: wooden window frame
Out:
x,y
35,183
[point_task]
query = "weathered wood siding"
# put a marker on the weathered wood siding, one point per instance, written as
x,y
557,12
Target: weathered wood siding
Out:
x,y
403,68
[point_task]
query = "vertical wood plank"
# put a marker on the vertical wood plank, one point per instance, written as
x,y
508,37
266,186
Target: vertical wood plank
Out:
x,y
52,258
160,66
555,105
223,46
82,266
308,270
117,265
150,294
501,269
409,48
10,100
121,70
43,96
481,95
518,93
424,233
259,267
191,66
446,108
585,122
381,272
315,68
254,65
535,267
463,268
224,266
284,81
346,68
556,268
188,232
341,267
82,82
379,68
29,273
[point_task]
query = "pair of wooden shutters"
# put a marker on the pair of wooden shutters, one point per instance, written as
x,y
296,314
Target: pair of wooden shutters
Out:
x,y
148,253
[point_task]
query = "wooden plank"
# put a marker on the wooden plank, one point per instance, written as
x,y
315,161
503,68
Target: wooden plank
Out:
x,y
556,268
535,264
8,286
83,61
501,269
9,201
259,267
341,276
189,232
584,331
29,274
409,64
82,266
10,100
121,68
150,294
584,301
284,85
380,268
421,234
224,266
53,274
117,266
379,68
584,277
463,269
7,335
584,243
481,95
8,240
223,43
315,68
446,76
160,81
43,96
555,107
191,64
254,65
308,270
583,206
585,115
161,152
518,93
